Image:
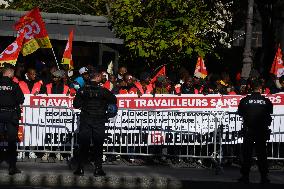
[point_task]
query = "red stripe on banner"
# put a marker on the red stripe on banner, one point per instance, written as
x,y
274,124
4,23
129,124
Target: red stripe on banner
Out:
x,y
159,101
178,102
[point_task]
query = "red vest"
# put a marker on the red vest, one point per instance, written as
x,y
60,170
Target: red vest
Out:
x,y
123,91
25,89
178,88
15,79
49,89
149,88
267,91
108,85
232,93
133,90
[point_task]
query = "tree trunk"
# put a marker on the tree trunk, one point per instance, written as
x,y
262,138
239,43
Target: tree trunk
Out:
x,y
247,55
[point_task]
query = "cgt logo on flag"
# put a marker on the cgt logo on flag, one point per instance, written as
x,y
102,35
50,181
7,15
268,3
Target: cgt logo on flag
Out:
x,y
11,53
157,138
35,32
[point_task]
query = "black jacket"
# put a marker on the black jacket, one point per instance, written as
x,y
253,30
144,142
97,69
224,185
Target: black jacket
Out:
x,y
11,96
255,110
93,101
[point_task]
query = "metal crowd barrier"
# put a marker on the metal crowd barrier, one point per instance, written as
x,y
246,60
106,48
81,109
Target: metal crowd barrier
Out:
x,y
46,129
171,133
182,134
232,140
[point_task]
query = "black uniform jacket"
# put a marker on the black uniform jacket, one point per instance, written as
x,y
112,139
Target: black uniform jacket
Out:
x,y
255,110
11,96
93,101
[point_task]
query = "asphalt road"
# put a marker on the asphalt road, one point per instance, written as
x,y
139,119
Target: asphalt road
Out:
x,y
58,175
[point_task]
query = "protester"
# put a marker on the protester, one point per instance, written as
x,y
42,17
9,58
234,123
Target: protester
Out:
x,y
121,72
82,79
144,86
111,84
30,85
57,85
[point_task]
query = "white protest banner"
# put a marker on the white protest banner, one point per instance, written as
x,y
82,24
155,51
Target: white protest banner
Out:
x,y
146,120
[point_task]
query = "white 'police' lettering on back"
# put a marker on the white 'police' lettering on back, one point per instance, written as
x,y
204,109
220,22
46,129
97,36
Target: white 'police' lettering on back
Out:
x,y
256,102
6,88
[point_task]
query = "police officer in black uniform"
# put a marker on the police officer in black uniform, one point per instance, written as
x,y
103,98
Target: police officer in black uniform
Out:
x,y
93,100
11,96
255,110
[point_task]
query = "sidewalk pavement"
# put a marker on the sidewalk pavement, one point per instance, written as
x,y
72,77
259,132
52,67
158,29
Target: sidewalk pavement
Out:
x,y
58,175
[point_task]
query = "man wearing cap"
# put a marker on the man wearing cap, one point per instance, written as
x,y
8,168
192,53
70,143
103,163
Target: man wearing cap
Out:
x,y
57,85
93,100
81,80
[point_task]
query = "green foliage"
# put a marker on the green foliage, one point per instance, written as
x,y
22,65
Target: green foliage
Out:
x,y
93,7
162,30
155,31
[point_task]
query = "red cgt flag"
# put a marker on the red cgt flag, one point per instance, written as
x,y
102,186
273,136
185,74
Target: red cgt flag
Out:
x,y
67,56
160,73
11,53
35,33
200,69
277,67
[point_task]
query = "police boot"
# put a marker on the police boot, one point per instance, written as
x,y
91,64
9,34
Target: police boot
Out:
x,y
264,179
79,171
14,170
99,171
244,179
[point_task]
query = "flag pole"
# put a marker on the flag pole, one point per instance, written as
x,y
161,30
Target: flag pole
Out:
x,y
55,58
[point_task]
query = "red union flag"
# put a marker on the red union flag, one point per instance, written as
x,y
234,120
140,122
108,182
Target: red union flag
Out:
x,y
11,53
277,67
35,33
67,56
200,69
160,73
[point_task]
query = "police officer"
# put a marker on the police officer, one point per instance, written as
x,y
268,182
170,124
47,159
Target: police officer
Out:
x,y
93,100
11,97
255,110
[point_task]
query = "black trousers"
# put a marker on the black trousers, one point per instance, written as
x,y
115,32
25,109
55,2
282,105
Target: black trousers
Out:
x,y
9,123
259,138
91,131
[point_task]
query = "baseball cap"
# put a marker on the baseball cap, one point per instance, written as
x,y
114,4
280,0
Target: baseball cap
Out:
x,y
59,73
83,70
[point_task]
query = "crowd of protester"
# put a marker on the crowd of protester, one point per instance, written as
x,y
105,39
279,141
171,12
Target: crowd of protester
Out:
x,y
59,81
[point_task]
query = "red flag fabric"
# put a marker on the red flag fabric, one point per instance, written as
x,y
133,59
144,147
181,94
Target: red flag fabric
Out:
x,y
35,33
277,67
160,73
11,53
67,56
200,69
